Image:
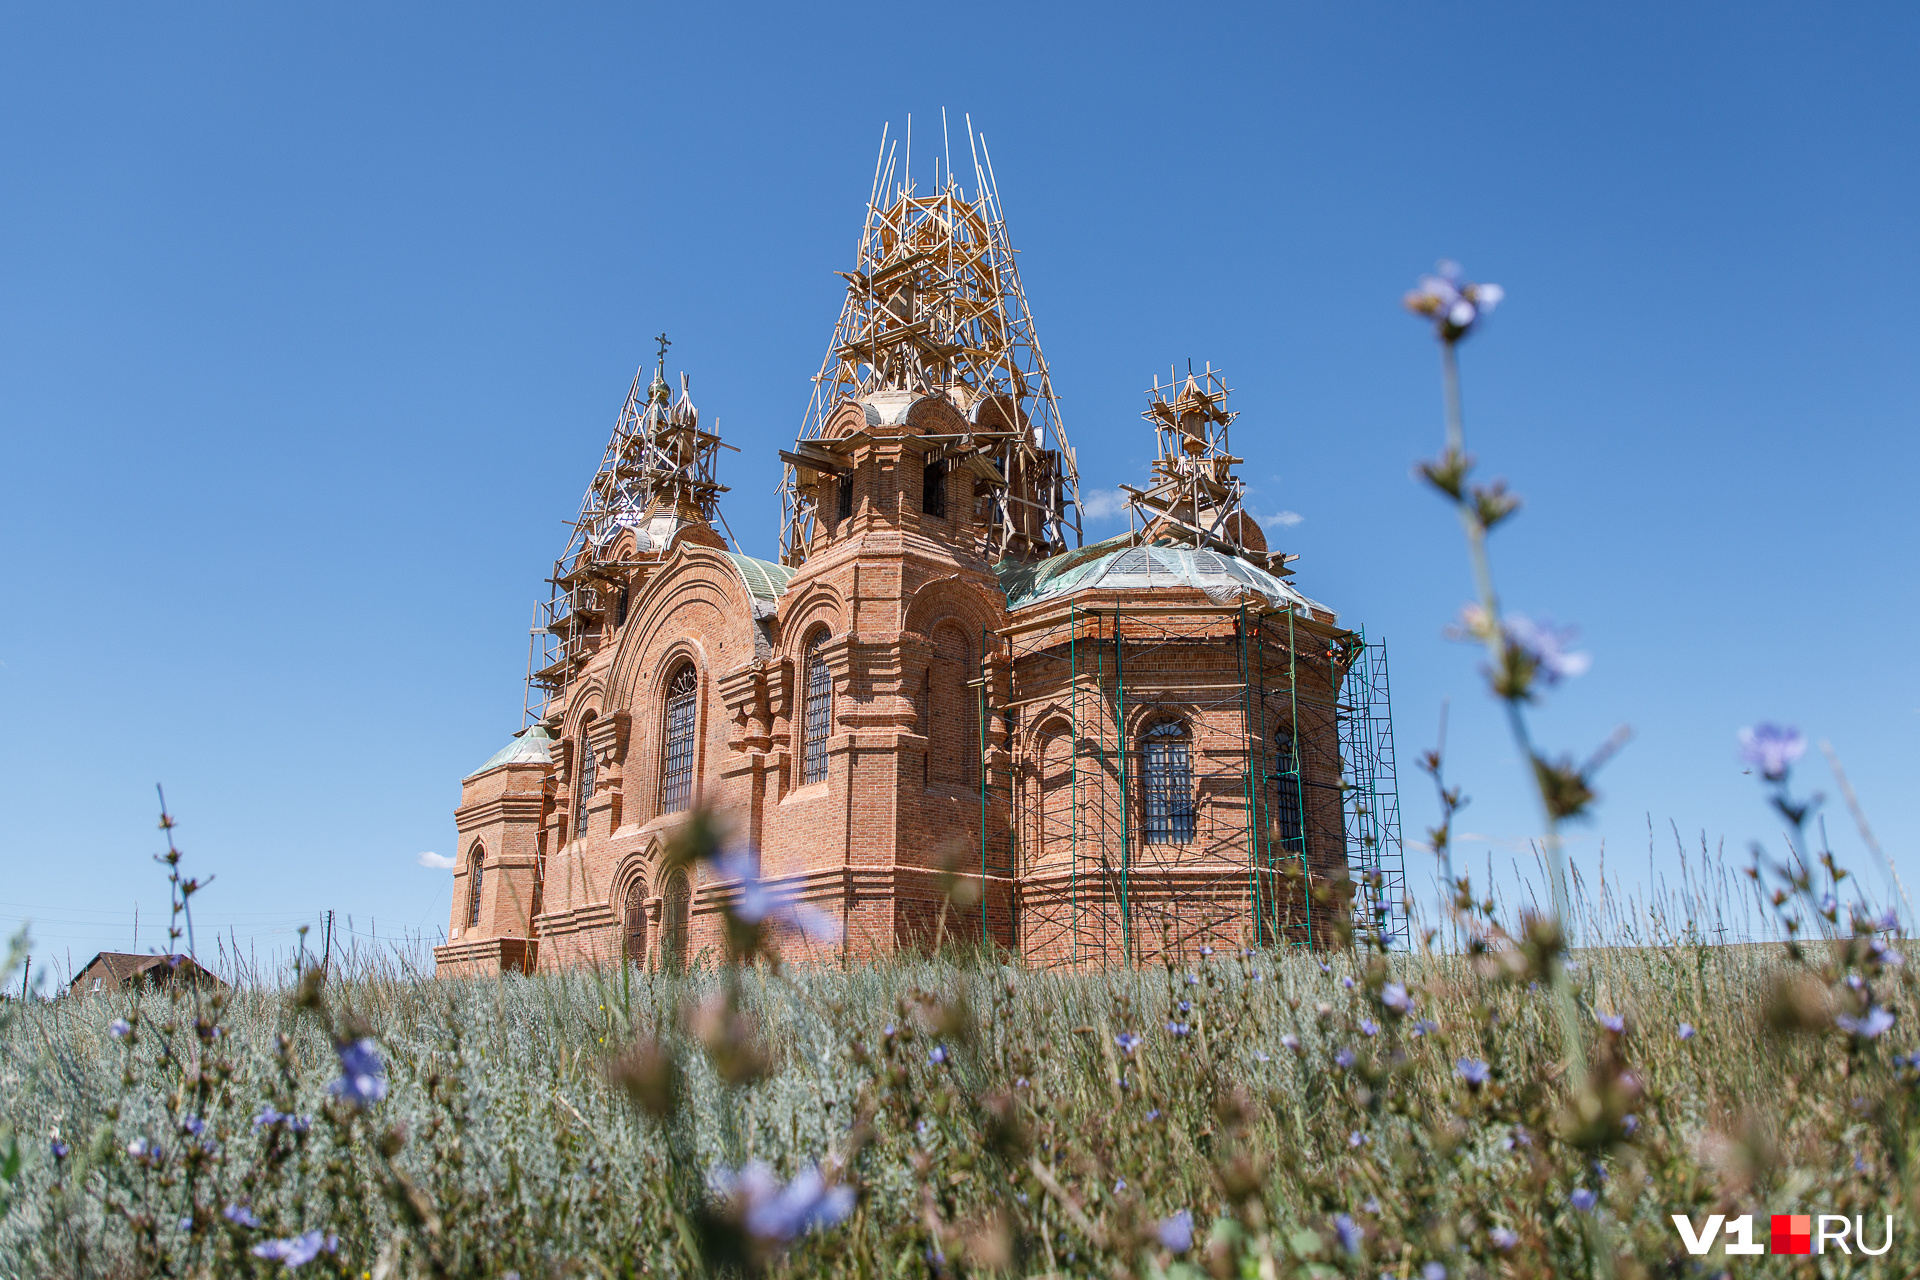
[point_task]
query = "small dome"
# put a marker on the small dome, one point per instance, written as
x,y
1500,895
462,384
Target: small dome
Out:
x,y
529,746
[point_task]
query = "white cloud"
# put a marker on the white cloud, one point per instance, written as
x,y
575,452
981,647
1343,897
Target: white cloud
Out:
x,y
435,861
1103,504
1284,518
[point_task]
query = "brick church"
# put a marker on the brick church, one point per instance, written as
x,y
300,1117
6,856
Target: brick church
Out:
x,y
936,716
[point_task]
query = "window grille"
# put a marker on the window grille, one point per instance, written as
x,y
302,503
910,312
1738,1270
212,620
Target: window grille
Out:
x,y
1167,777
676,777
844,508
588,767
636,922
679,910
620,609
819,713
1286,809
933,488
473,889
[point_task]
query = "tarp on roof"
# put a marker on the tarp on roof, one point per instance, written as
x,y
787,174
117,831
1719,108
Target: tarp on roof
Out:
x,y
1119,565
533,746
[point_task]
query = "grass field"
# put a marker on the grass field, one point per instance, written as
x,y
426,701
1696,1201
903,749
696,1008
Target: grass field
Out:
x,y
1313,1114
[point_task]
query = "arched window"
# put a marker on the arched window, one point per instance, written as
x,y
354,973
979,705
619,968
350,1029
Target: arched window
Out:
x,y
1287,810
1166,775
473,886
819,712
676,765
636,922
673,927
588,768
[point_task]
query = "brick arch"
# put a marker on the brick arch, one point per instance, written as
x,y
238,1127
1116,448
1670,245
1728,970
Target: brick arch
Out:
x,y
818,603
693,576
950,711
952,598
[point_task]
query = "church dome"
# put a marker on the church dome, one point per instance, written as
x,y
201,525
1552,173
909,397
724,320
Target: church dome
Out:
x,y
530,746
1118,564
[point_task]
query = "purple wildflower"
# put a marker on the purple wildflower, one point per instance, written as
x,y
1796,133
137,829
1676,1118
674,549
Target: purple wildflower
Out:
x,y
1206,951
1772,749
1454,305
1358,1139
296,1251
1395,997
1613,1022
1343,1057
57,1147
240,1215
1128,1042
1684,1031
776,1214
120,1028
1153,1114
1349,1232
1176,1232
938,1056
1347,982
1546,645
1629,1124
1290,1041
1583,1199
1869,1025
1186,1006
363,1076
1503,1239
1473,1071
1178,1029
1433,1271
193,1125
1193,980
757,901
1369,1027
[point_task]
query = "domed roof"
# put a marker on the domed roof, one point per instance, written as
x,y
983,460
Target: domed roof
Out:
x,y
1119,565
530,746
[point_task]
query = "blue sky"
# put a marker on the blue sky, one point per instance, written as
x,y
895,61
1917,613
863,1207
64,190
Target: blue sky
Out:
x,y
314,320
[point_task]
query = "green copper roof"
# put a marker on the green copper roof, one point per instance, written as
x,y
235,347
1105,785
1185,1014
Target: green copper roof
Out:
x,y
1119,565
765,580
529,747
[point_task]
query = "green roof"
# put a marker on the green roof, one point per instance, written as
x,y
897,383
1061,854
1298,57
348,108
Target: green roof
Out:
x,y
765,580
529,746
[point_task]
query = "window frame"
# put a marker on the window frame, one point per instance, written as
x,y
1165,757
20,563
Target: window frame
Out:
x,y
679,738
816,709
476,870
588,776
1168,812
633,922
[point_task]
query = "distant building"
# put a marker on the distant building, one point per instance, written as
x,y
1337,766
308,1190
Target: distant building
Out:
x,y
1119,751
119,970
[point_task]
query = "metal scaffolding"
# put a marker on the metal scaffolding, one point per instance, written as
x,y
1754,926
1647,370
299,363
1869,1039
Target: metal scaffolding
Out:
x,y
1192,775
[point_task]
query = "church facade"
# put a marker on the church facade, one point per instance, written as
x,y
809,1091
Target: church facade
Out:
x,y
935,716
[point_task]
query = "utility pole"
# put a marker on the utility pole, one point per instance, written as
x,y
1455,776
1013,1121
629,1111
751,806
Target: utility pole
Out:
x,y
327,954
24,975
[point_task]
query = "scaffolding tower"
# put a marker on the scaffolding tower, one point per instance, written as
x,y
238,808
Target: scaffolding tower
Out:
x,y
658,471
935,306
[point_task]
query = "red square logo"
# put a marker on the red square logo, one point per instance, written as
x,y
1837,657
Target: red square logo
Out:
x,y
1792,1233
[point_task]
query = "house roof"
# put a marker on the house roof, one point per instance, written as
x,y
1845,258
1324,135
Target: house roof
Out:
x,y
124,966
1118,564
529,746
